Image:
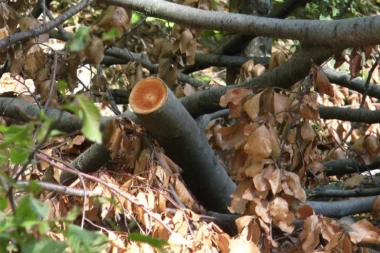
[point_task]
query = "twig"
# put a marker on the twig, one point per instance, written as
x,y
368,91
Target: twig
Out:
x,y
43,29
58,188
112,187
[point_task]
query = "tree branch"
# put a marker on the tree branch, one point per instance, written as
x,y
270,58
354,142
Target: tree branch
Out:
x,y
348,114
45,28
342,33
356,84
338,209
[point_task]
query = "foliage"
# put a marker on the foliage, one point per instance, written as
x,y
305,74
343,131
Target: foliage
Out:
x,y
275,142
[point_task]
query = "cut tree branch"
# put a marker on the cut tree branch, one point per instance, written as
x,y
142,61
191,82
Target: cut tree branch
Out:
x,y
167,121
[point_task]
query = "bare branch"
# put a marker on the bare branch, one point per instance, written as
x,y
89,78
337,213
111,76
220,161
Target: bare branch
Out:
x,y
341,33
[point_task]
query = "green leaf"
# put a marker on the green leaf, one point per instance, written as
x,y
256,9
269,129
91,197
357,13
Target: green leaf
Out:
x,y
72,214
154,242
44,245
30,209
91,119
17,135
44,227
45,131
81,240
18,155
3,203
34,187
135,17
112,33
71,107
78,43
62,86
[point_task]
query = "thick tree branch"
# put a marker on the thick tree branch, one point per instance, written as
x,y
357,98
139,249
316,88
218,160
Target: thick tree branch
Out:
x,y
338,209
25,111
283,76
348,166
348,114
344,193
341,33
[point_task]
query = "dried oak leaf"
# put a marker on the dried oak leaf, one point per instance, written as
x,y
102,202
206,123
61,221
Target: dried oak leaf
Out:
x,y
234,99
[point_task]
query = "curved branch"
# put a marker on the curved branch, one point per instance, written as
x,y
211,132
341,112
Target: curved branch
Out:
x,y
283,76
342,33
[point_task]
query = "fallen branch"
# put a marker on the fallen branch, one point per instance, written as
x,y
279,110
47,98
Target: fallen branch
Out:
x,y
167,121
311,32
338,209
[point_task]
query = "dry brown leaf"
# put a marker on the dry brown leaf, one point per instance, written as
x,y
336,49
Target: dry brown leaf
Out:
x,y
233,136
278,209
340,58
309,237
321,81
182,192
257,70
167,71
364,231
239,245
304,212
355,65
354,181
234,96
252,106
277,59
309,108
94,50
292,186
275,181
307,132
256,167
116,17
282,105
248,228
261,183
259,143
29,23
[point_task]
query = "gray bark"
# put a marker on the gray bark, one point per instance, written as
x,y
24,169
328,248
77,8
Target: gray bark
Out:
x,y
186,144
340,33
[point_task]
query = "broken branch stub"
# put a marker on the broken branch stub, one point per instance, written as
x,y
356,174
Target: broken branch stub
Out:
x,y
165,118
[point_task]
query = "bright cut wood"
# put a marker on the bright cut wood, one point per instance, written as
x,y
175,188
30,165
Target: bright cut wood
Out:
x,y
167,120
148,95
